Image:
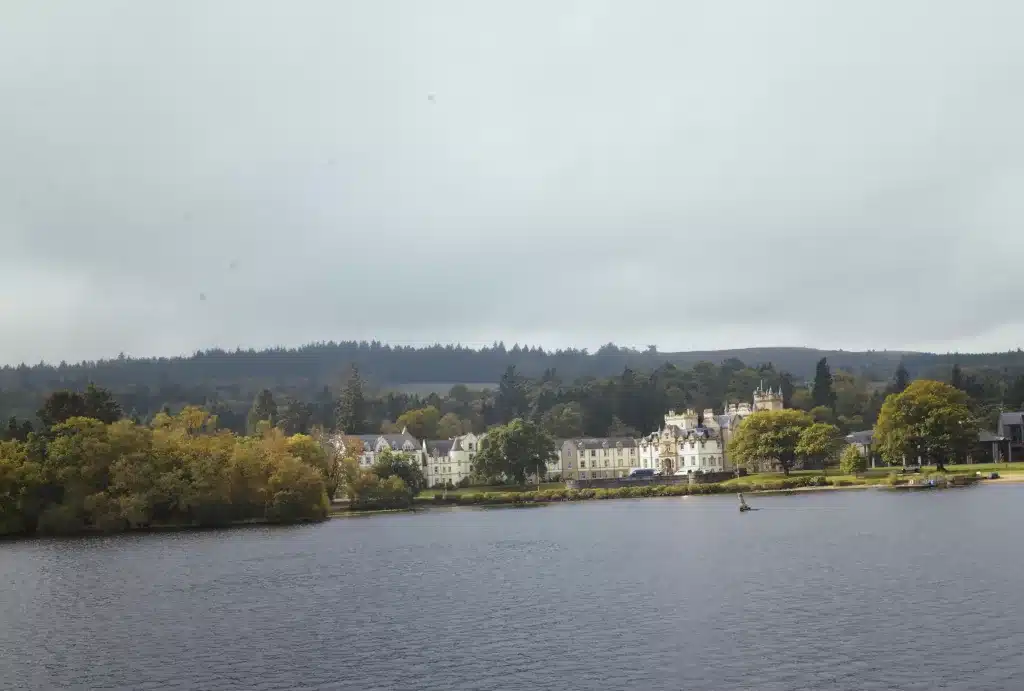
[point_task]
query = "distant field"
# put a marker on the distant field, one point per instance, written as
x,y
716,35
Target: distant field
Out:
x,y
440,387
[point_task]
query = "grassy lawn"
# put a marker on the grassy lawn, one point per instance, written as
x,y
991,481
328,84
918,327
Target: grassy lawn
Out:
x,y
870,477
874,475
429,493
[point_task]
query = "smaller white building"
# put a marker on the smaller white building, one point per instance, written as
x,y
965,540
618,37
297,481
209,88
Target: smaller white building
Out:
x,y
450,460
373,444
596,457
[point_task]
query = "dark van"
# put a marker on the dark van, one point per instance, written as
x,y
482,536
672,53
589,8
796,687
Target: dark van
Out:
x,y
642,472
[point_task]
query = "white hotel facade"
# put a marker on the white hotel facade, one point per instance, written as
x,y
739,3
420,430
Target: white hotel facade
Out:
x,y
686,442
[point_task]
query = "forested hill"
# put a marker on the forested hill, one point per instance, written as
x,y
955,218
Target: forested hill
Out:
x,y
612,390
311,367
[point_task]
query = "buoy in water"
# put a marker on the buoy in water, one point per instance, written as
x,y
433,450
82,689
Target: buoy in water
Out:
x,y
743,504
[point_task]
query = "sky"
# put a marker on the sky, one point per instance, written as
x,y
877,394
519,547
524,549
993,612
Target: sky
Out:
x,y
187,174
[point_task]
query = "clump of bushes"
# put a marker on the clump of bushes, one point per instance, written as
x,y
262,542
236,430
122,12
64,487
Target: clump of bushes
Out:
x,y
894,479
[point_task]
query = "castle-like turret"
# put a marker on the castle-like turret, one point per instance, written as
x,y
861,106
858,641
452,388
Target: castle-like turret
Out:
x,y
767,400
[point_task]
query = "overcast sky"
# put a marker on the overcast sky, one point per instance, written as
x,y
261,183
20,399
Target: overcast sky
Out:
x,y
692,174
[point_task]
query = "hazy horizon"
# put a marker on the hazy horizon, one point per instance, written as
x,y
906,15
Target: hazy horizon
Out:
x,y
699,175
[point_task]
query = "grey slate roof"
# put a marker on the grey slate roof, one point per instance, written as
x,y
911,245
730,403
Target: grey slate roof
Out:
x,y
725,421
1005,419
439,447
986,437
605,442
396,441
863,437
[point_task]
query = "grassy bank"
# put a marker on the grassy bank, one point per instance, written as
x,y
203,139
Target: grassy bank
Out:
x,y
461,491
752,484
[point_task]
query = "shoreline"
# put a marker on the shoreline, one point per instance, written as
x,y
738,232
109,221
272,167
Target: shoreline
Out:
x,y
499,500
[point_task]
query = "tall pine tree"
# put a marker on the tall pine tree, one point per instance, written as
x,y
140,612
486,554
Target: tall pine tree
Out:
x,y
351,412
823,394
900,380
956,378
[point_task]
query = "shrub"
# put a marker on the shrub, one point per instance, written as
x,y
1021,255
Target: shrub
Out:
x,y
463,483
894,479
852,461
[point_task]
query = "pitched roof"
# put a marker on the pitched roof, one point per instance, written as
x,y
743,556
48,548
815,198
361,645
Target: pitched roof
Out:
x,y
398,440
605,442
862,437
1014,418
439,447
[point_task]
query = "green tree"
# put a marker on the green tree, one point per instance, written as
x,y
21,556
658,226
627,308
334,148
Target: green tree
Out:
x,y
421,423
20,482
620,429
16,431
295,416
822,414
852,461
956,377
389,464
769,436
823,393
514,451
819,443
95,403
900,380
564,421
512,400
101,405
351,414
295,492
451,425
929,420
264,409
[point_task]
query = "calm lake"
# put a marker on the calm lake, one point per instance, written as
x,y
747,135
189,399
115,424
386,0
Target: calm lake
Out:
x,y
833,590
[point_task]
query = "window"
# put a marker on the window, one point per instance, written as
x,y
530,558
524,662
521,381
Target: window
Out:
x,y
593,453
583,464
606,463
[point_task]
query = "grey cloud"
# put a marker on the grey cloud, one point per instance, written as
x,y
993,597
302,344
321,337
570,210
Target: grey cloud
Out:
x,y
691,174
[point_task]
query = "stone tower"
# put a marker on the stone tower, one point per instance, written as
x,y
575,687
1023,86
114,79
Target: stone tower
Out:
x,y
767,400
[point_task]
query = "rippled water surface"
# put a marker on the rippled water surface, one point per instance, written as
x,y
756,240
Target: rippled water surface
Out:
x,y
834,590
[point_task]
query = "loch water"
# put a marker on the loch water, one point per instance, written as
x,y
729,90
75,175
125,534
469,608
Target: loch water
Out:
x,y
860,589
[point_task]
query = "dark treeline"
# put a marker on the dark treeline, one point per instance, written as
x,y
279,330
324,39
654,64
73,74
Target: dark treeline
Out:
x,y
631,402
611,386
310,367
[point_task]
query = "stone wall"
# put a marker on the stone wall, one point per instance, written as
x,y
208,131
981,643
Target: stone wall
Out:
x,y
614,482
